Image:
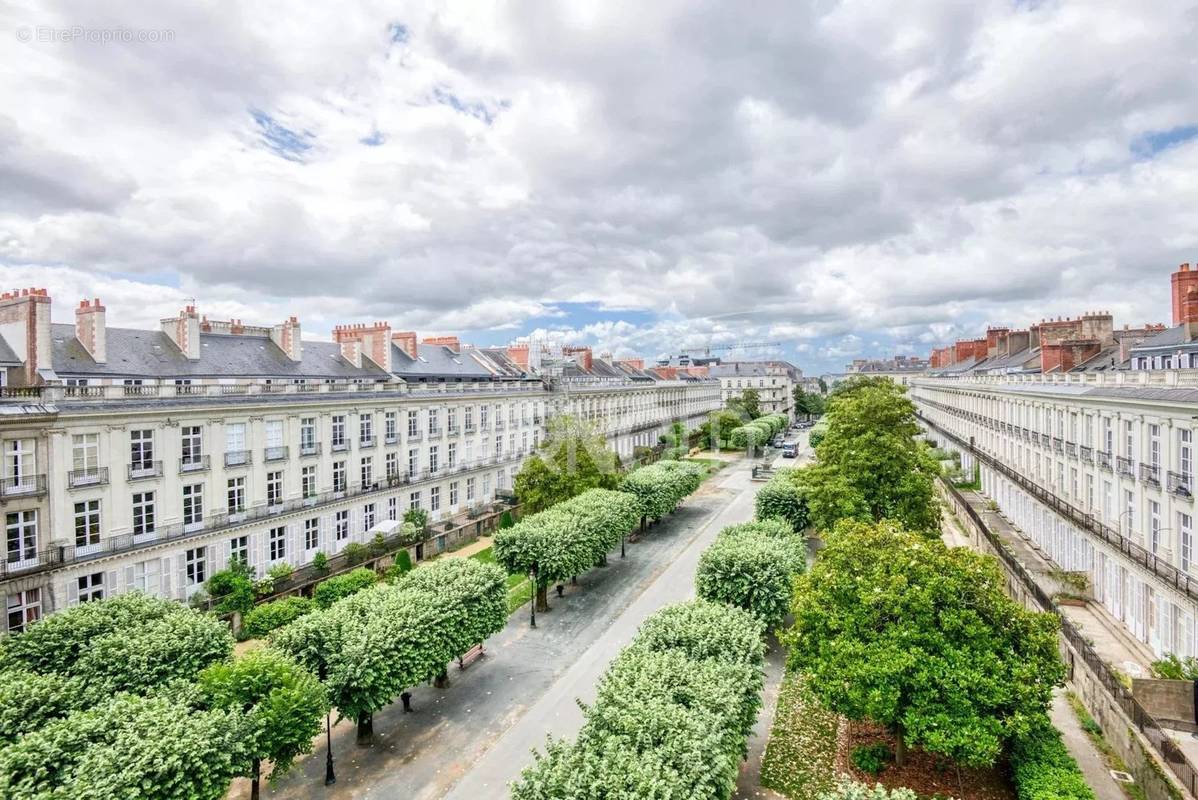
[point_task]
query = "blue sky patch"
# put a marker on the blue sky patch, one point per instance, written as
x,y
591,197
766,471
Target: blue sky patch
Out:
x,y
474,109
281,140
399,33
1148,144
375,138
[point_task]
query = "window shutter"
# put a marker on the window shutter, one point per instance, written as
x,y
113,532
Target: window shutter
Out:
x,y
164,577
110,587
259,552
180,572
72,591
129,578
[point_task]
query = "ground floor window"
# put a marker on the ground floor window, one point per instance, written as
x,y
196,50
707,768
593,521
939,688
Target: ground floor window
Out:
x,y
24,608
91,587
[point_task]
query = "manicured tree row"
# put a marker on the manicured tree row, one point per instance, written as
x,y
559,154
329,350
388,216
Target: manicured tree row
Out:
x,y
752,566
783,497
660,487
129,746
567,539
748,436
371,646
1042,766
337,587
671,717
75,658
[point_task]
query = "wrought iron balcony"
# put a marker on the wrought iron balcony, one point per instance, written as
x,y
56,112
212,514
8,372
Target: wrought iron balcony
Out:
x,y
309,449
1071,449
24,486
194,464
1150,474
1087,454
1181,485
81,478
279,453
341,446
366,441
1058,445
1125,467
1104,460
145,470
237,458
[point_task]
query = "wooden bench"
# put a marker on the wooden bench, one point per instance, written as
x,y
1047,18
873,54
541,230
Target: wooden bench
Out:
x,y
470,656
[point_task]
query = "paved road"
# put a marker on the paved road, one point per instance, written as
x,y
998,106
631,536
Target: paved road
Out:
x,y
556,712
479,731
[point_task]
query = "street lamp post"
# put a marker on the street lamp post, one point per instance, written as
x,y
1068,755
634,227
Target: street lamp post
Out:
x,y
532,605
329,776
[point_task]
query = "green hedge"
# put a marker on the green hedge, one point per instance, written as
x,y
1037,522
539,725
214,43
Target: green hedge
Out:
x,y
747,436
660,487
752,567
783,497
273,615
330,591
1042,767
671,715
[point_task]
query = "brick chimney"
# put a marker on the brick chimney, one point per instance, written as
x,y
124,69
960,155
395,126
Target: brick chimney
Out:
x,y
444,341
374,342
406,341
518,353
1098,325
582,356
1017,342
995,341
1182,281
89,329
635,363
184,331
25,325
287,337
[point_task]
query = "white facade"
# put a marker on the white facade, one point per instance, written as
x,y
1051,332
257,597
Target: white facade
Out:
x,y
775,382
1114,454
636,414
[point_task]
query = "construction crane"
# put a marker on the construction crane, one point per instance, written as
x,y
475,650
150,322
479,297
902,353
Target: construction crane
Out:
x,y
739,346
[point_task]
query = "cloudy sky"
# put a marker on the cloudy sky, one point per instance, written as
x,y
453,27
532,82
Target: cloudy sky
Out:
x,y
843,178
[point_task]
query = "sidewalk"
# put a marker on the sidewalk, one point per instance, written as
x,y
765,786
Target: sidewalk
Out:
x,y
1081,748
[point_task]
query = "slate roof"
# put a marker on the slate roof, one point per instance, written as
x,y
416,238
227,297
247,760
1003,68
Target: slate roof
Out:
x,y
1170,337
739,369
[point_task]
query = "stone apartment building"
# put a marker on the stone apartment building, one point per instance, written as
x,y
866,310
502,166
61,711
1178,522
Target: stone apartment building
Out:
x,y
774,381
147,459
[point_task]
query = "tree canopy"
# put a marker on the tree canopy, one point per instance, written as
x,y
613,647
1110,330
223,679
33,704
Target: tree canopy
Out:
x,y
869,464
899,629
572,459
752,566
747,404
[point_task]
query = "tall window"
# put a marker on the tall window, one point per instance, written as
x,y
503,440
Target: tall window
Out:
x,y
312,533
276,541
196,565
1185,527
90,587
1154,445
433,458
469,490
19,464
339,430
1108,435
239,549
1129,441
392,464
274,488
469,452
366,429
85,453
24,608
141,451
308,434
143,513
414,499
468,417
453,494
451,455
390,425
87,523
413,423
235,446
1129,509
308,481
451,418
1154,525
146,575
434,498
193,504
341,524
482,416
413,462
368,516
433,426
20,529
193,444
393,508
339,478
367,472
274,433
1185,457
499,447
236,495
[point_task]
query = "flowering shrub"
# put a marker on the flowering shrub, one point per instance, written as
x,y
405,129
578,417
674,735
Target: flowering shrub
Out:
x,y
849,789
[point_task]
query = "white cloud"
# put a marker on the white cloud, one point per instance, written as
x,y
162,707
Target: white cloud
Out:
x,y
805,173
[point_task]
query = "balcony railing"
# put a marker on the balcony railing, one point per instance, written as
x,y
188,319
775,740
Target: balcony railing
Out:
x,y
23,486
366,441
415,437
93,476
1058,445
1087,454
1071,449
309,449
453,430
338,447
1104,460
1180,484
470,427
278,453
145,470
1150,474
238,458
433,433
499,425
194,464
1125,467
392,438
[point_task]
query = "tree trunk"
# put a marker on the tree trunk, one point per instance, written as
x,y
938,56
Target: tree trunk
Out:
x,y
255,774
900,746
442,680
644,521
603,560
543,597
365,729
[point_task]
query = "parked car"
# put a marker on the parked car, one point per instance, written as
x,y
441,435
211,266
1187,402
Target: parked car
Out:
x,y
790,450
777,441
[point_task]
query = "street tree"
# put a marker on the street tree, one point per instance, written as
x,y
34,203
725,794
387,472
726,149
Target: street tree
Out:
x,y
895,628
282,703
572,459
747,404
